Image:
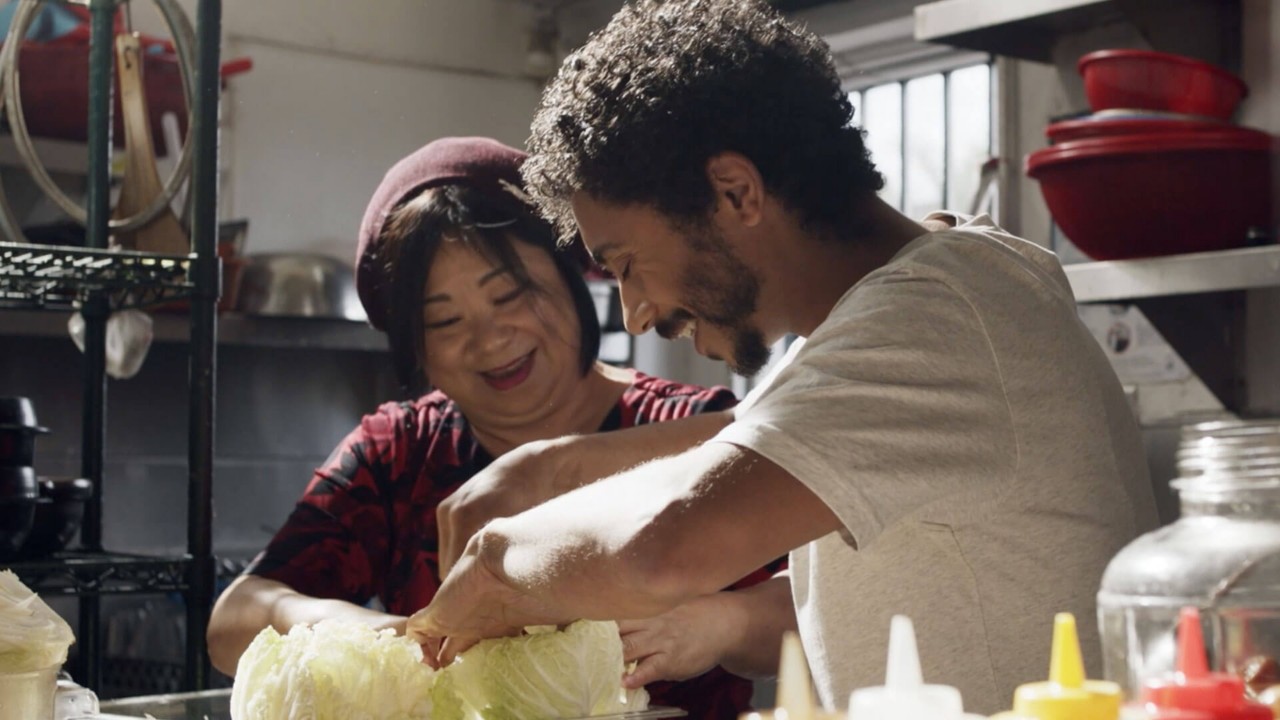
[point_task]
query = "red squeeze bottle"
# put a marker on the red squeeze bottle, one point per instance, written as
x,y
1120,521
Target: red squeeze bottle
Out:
x,y
1194,693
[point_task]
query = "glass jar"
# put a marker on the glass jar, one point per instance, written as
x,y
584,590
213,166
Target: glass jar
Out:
x,y
1223,557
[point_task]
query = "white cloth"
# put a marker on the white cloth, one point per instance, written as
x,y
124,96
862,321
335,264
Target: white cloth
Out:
x,y
973,439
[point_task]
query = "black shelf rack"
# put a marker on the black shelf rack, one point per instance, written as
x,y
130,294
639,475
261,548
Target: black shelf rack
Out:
x,y
87,573
63,278
96,281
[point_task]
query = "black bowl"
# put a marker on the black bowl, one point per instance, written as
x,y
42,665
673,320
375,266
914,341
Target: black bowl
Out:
x,y
20,413
17,516
18,483
58,515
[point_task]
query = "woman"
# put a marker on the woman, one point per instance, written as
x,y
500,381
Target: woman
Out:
x,y
477,304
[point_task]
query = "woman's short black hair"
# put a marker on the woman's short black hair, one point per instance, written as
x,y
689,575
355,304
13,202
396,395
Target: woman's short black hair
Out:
x,y
488,224
635,114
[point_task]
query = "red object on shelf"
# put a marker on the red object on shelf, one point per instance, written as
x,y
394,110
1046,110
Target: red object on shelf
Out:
x,y
1149,80
1091,127
1136,196
54,79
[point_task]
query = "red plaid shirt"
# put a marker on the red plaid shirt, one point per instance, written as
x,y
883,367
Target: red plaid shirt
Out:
x,y
366,525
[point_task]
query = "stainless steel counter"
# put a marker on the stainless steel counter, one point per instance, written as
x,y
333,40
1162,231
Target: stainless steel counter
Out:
x,y
203,705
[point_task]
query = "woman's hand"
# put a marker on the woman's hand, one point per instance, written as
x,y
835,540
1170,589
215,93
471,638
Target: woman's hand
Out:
x,y
678,644
739,630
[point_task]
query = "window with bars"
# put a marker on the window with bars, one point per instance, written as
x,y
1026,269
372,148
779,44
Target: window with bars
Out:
x,y
930,136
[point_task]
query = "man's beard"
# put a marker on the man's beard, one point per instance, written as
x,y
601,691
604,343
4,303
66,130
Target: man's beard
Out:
x,y
721,290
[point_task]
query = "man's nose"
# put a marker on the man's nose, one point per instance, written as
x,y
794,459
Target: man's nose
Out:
x,y
639,316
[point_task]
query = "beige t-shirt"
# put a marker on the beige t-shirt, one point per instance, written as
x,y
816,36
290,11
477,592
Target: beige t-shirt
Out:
x,y
972,437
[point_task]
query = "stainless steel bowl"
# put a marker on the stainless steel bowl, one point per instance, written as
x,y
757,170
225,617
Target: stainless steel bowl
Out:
x,y
299,285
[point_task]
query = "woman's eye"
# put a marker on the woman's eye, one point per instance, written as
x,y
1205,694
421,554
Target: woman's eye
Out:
x,y
508,297
626,270
438,324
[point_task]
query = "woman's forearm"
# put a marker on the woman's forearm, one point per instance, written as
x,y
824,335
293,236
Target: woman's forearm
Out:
x,y
252,603
765,611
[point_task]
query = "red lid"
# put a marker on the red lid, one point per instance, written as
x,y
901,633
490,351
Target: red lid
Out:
x,y
1193,687
1091,127
1250,140
1103,55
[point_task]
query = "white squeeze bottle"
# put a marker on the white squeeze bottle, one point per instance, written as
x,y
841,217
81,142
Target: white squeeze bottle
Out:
x,y
904,695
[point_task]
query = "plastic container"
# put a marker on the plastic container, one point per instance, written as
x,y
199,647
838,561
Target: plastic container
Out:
x,y
904,695
28,696
1067,695
1094,126
1193,689
795,690
1144,79
1223,557
1133,196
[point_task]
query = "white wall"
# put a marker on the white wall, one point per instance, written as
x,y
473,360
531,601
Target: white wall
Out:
x,y
340,90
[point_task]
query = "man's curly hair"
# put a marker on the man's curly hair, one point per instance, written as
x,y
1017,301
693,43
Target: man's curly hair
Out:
x,y
635,114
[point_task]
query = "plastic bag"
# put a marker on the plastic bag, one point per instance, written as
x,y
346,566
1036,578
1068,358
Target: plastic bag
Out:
x,y
129,335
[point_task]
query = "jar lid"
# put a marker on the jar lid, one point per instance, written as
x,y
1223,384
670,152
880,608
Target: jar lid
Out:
x,y
1067,695
1193,687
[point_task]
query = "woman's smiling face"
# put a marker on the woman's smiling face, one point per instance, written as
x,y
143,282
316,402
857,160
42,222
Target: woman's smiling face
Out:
x,y
500,347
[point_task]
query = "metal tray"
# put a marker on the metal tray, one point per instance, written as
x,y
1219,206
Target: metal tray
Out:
x,y
653,713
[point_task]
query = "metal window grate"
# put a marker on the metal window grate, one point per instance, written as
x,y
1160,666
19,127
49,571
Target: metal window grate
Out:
x,y
891,139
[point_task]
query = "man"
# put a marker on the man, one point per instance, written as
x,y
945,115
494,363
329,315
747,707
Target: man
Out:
x,y
948,442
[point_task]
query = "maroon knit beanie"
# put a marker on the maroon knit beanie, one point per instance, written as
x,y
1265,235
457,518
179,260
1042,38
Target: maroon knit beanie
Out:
x,y
481,163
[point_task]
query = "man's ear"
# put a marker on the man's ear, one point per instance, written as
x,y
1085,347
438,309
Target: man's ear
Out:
x,y
738,187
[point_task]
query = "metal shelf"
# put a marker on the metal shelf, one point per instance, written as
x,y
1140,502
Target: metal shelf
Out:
x,y
57,277
1191,274
1025,29
86,573
1034,29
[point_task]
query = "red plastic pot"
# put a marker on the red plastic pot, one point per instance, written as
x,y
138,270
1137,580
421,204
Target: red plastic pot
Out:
x,y
55,92
1159,194
1149,80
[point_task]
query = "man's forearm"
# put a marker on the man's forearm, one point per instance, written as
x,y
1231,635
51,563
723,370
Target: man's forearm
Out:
x,y
583,459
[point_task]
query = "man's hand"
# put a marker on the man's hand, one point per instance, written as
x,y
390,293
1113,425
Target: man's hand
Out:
x,y
678,644
473,603
515,482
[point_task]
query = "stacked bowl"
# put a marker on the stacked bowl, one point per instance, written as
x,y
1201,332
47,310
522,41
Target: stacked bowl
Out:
x,y
1158,168
19,489
38,515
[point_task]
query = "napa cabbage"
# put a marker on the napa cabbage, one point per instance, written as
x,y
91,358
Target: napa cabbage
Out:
x,y
334,670
571,673
32,636
342,669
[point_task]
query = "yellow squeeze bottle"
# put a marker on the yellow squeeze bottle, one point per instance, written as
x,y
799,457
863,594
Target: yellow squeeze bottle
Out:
x,y
1067,695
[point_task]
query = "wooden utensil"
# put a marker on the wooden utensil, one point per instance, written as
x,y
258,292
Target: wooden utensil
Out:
x,y
163,234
